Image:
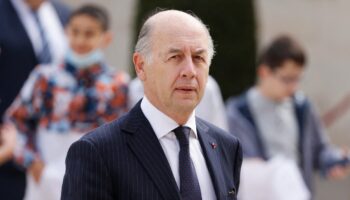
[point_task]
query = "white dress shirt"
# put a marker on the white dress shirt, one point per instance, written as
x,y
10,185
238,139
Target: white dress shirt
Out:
x,y
51,25
163,126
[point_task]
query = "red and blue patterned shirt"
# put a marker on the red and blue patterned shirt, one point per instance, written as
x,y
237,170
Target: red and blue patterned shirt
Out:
x,y
63,99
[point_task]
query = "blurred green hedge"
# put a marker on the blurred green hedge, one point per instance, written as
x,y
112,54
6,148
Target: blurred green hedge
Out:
x,y
232,26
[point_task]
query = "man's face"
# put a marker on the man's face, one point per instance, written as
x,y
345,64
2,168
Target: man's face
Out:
x,y
85,34
284,81
176,76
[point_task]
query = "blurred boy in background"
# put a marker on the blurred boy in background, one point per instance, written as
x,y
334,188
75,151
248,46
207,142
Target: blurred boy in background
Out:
x,y
272,119
57,105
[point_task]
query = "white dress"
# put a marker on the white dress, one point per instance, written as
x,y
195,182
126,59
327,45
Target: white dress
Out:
x,y
53,148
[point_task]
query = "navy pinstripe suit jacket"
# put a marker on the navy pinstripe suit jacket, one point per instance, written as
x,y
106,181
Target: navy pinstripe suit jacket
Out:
x,y
124,160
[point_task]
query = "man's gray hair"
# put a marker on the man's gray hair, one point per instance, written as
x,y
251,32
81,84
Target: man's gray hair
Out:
x,y
144,43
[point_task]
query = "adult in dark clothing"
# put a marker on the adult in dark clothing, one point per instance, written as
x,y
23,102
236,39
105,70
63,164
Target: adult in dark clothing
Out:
x,y
21,49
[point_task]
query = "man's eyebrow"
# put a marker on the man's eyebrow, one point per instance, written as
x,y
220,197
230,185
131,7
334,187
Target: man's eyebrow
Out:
x,y
196,52
174,50
200,51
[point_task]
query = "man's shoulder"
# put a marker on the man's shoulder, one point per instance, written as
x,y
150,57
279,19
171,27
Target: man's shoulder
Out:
x,y
216,132
115,131
106,132
228,144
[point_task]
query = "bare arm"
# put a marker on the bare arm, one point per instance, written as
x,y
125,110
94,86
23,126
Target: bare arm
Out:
x,y
8,142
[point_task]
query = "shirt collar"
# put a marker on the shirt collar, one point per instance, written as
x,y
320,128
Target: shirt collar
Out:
x,y
161,123
92,71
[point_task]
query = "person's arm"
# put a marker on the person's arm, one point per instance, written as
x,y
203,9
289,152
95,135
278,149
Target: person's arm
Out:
x,y
333,162
340,169
8,136
86,175
24,114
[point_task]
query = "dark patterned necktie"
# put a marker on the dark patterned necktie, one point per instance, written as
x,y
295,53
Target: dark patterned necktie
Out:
x,y
189,185
44,55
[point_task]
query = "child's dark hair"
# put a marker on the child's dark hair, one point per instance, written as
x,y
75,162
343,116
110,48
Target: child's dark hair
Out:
x,y
97,12
283,48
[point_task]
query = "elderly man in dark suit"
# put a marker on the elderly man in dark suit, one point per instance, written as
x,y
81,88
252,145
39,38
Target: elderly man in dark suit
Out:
x,y
23,26
160,150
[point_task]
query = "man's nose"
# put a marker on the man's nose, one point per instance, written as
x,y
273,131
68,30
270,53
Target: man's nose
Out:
x,y
188,68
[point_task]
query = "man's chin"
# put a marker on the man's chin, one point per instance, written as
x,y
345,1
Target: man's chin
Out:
x,y
186,104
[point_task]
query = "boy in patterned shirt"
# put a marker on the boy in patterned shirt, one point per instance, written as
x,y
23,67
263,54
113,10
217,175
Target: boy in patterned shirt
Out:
x,y
58,104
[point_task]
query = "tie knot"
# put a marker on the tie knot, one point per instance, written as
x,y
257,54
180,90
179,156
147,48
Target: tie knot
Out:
x,y
182,134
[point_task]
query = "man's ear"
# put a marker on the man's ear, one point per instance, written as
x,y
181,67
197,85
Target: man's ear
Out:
x,y
139,64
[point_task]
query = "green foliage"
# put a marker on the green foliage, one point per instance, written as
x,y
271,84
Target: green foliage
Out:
x,y
232,26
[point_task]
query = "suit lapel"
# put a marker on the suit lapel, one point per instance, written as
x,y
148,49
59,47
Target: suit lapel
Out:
x,y
145,145
211,153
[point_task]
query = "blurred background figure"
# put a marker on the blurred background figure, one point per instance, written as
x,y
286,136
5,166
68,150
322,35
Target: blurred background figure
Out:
x,y
31,33
272,119
211,108
61,102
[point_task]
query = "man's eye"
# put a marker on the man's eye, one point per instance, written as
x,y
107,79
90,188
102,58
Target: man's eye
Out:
x,y
199,58
174,57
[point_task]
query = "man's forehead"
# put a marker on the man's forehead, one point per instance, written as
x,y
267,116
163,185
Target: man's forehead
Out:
x,y
178,30
181,39
172,31
177,44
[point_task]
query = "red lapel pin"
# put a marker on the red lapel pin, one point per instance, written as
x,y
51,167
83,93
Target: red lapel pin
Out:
x,y
213,145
